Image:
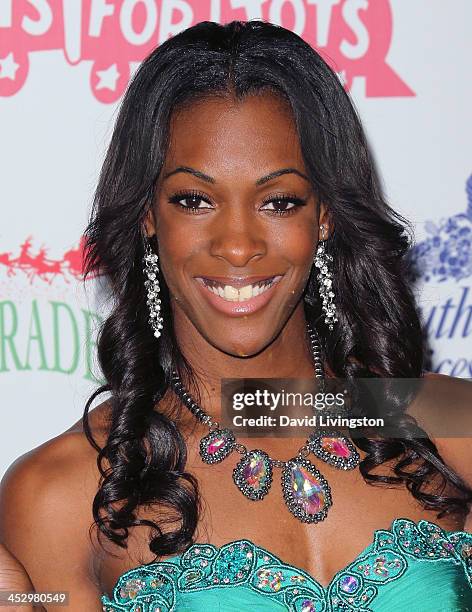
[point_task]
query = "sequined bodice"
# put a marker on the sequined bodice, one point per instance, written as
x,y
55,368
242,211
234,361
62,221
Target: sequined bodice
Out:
x,y
411,566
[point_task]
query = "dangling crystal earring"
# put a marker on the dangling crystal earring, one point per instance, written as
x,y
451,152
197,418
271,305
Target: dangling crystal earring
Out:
x,y
325,278
151,270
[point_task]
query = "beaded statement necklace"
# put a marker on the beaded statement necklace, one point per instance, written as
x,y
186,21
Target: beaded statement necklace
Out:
x,y
306,492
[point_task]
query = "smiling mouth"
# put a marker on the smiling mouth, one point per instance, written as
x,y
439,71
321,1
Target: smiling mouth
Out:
x,y
239,294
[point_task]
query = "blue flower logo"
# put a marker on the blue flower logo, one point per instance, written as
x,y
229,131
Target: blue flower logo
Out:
x,y
447,251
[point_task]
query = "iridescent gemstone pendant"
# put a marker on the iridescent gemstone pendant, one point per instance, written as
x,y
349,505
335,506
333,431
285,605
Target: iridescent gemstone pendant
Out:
x,y
253,474
217,445
335,449
306,491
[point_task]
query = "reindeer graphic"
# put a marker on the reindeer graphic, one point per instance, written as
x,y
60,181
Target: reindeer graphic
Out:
x,y
38,265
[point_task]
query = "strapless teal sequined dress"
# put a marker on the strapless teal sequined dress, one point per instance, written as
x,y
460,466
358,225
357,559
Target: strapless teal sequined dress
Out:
x,y
413,567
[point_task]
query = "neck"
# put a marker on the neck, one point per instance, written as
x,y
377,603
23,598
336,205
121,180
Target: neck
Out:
x,y
287,355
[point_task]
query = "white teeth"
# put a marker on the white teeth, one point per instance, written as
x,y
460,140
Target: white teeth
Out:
x,y
247,292
231,294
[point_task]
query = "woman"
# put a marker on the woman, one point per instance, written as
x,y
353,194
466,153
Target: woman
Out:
x,y
237,160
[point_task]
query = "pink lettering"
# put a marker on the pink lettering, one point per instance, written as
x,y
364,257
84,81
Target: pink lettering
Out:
x,y
353,35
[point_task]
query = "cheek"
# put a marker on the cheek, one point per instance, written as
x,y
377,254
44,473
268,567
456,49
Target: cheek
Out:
x,y
298,245
177,251
173,256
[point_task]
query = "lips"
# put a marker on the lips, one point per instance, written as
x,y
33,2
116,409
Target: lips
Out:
x,y
237,296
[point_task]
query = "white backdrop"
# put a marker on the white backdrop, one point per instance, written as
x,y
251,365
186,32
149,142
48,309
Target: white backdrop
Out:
x,y
63,66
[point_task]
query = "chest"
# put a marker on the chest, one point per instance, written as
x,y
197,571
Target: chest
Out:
x,y
321,549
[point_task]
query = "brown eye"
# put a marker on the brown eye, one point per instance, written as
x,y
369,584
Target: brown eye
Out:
x,y
284,205
192,201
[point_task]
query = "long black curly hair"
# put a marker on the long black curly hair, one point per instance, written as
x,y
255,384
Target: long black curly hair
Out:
x,y
378,334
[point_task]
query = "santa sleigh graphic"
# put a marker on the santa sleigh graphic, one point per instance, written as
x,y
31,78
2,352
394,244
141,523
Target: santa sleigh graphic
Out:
x,y
38,265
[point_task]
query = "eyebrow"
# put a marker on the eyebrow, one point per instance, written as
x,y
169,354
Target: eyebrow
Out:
x,y
260,181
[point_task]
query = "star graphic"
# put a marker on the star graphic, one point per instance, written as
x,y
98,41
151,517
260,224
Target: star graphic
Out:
x,y
8,67
108,78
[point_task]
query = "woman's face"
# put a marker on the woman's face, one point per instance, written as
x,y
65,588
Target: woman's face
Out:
x,y
233,203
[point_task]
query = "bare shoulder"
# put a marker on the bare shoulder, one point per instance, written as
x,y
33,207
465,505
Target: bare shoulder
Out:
x,y
58,468
456,388
444,410
67,461
46,500
442,399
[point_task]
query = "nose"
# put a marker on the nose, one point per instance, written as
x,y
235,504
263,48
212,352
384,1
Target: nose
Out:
x,y
237,237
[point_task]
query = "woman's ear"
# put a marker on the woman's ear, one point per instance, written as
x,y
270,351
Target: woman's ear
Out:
x,y
324,220
149,224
